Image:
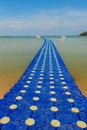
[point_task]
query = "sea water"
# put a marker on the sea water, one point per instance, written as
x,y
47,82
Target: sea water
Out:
x,y
73,50
16,53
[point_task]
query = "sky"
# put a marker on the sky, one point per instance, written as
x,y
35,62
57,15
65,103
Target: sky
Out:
x,y
42,17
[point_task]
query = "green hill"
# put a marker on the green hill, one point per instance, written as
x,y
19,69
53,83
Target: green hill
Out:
x,y
83,34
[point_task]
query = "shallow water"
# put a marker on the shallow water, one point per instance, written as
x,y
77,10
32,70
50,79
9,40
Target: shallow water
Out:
x,y
17,52
73,50
15,55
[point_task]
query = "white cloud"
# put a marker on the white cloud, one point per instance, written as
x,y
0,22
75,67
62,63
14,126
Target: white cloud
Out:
x,y
56,21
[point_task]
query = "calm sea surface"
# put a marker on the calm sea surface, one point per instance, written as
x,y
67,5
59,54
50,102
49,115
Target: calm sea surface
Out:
x,y
17,52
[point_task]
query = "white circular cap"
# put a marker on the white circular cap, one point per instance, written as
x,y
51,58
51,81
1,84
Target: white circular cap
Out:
x,y
32,74
40,82
60,74
19,98
71,100
65,87
67,93
52,87
53,99
23,91
62,78
63,82
41,78
30,122
30,77
5,120
13,106
33,108
35,98
39,86
51,82
52,92
37,92
51,78
26,86
81,124
74,109
55,123
28,81
54,109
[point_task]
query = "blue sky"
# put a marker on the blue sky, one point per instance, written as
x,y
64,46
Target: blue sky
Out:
x,y
47,17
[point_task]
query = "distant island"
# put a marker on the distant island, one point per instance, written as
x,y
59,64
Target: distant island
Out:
x,y
83,34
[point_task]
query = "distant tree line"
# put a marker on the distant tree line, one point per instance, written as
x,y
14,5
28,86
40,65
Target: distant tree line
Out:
x,y
83,34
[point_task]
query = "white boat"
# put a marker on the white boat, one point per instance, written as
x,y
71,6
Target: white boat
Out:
x,y
37,36
63,37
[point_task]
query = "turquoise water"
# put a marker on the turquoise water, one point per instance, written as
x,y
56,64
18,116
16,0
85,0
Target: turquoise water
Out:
x,y
17,52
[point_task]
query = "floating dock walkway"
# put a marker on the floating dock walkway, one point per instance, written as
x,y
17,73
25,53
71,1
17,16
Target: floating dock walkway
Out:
x,y
45,97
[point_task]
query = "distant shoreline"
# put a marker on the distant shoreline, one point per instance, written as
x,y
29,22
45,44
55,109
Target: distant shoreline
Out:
x,y
44,36
83,34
